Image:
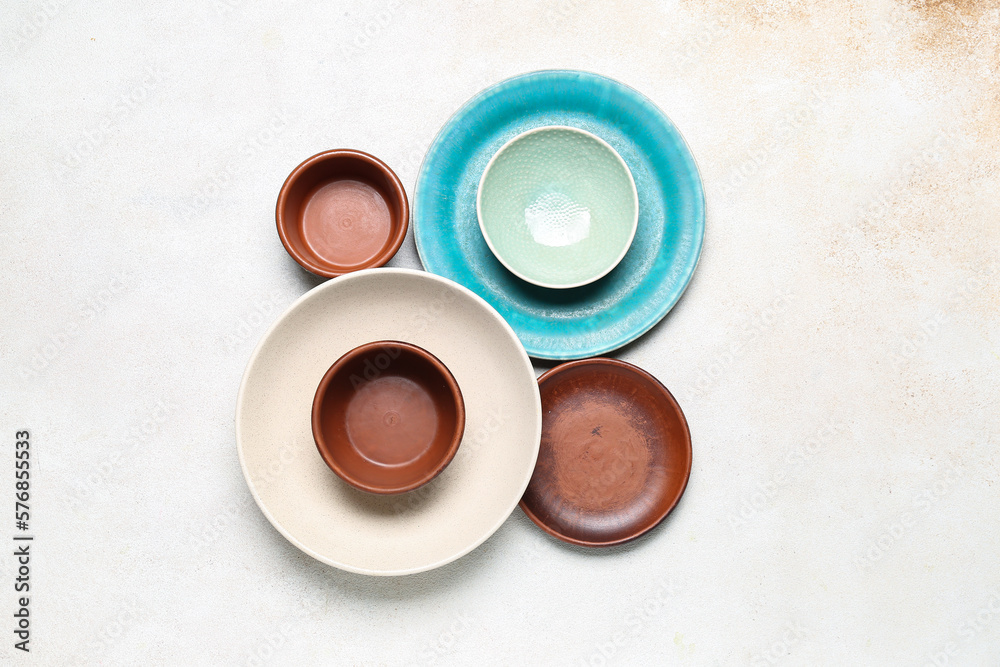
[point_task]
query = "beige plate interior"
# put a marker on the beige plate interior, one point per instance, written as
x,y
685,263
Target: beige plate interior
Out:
x,y
422,529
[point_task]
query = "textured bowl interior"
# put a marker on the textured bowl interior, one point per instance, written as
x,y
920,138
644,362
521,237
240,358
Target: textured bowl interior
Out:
x,y
558,207
388,417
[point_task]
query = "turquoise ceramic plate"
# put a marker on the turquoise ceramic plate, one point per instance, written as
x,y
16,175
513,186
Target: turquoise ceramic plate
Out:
x,y
628,301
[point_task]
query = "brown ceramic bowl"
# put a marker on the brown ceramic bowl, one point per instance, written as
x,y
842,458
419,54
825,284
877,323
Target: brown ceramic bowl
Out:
x,y
615,454
388,417
341,211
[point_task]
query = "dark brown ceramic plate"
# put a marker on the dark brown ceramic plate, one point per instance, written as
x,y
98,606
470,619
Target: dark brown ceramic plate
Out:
x,y
341,211
615,454
388,417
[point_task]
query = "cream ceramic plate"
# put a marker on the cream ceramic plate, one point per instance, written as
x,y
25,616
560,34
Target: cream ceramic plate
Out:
x,y
422,529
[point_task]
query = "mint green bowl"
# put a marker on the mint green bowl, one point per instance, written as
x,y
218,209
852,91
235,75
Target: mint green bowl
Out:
x,y
558,207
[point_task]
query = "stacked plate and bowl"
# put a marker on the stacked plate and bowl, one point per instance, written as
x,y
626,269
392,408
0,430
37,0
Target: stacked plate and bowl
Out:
x,y
391,420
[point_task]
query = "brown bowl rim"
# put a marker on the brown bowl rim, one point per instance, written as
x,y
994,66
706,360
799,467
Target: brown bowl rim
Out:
x,y
605,361
307,262
454,389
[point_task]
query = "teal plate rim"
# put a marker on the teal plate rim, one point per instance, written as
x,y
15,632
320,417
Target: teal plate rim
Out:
x,y
594,319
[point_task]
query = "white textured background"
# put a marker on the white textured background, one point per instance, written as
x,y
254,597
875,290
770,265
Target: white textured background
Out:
x,y
837,353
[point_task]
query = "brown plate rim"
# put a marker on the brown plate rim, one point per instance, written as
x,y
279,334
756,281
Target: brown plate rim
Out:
x,y
604,361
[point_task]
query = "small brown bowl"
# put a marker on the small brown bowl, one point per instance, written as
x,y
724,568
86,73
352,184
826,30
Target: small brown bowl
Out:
x,y
388,417
341,211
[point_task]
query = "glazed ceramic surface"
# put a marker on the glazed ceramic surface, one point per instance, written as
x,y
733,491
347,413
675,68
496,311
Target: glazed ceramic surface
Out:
x,y
341,211
558,207
628,301
615,454
388,417
439,522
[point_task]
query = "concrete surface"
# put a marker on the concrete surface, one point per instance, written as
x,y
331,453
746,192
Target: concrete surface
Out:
x,y
837,353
